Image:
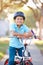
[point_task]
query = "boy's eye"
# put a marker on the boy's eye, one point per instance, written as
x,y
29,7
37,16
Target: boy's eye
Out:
x,y
19,19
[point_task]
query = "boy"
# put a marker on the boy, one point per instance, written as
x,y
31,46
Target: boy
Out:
x,y
18,31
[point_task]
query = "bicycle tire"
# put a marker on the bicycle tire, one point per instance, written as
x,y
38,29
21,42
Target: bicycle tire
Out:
x,y
6,62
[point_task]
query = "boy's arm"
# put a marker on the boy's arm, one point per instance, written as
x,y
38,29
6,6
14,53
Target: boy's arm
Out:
x,y
14,33
28,34
25,35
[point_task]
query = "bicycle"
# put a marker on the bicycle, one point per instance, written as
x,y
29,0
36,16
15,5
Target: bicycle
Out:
x,y
26,58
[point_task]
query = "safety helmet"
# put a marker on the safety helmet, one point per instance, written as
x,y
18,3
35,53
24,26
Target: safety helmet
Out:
x,y
19,13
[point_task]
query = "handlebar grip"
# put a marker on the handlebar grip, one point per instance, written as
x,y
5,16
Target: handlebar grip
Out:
x,y
34,34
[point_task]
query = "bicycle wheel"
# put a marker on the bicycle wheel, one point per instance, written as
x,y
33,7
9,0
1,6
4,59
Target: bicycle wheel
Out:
x,y
6,62
29,63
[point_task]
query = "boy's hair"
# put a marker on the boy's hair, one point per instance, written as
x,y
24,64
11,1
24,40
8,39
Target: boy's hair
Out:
x,y
19,13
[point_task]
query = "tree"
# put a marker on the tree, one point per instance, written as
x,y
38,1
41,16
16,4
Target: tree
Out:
x,y
15,4
10,3
36,2
38,13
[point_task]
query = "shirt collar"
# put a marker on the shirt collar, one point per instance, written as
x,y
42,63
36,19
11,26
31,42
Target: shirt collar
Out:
x,y
20,26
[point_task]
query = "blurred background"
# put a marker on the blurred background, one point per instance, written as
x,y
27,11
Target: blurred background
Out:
x,y
33,10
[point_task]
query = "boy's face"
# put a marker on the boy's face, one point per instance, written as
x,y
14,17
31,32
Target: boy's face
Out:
x,y
19,20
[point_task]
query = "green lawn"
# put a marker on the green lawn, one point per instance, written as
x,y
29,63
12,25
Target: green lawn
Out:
x,y
3,47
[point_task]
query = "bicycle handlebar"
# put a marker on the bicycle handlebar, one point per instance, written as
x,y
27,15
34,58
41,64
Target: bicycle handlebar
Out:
x,y
34,34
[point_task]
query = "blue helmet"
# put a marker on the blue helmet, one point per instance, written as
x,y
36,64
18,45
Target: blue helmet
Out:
x,y
19,14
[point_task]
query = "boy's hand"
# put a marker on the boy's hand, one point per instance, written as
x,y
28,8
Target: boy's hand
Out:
x,y
19,36
24,35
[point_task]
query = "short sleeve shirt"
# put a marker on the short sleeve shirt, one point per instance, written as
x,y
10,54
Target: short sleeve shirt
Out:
x,y
14,41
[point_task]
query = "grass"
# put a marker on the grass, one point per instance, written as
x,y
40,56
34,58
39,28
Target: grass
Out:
x,y
39,44
3,47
